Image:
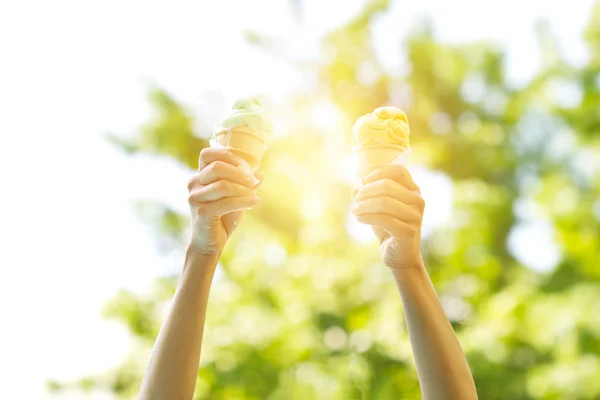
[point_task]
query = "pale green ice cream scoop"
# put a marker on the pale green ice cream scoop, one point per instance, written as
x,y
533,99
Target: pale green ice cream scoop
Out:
x,y
247,112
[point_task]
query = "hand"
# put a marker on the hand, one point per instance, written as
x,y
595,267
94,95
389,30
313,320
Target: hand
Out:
x,y
391,203
218,195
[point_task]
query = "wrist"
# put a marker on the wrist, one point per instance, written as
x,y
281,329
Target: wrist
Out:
x,y
199,260
410,280
199,246
409,269
408,263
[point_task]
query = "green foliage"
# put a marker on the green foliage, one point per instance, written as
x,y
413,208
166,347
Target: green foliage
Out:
x,y
304,310
170,133
138,313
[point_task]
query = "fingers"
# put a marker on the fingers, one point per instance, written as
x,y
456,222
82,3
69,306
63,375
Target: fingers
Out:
x,y
209,155
220,170
388,206
258,175
390,188
218,190
393,226
226,205
221,187
396,173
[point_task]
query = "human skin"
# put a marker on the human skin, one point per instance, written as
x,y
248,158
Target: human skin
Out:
x,y
388,200
218,195
391,203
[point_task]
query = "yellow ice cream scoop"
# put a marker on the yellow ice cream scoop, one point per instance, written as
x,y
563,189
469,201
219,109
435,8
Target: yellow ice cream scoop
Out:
x,y
386,126
379,138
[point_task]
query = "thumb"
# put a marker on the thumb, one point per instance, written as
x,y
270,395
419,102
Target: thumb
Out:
x,y
380,233
231,221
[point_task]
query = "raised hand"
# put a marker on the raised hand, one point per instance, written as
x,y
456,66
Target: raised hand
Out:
x,y
391,202
218,195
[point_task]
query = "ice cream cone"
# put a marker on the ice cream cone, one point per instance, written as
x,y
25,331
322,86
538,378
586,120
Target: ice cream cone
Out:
x,y
379,138
244,142
372,157
245,131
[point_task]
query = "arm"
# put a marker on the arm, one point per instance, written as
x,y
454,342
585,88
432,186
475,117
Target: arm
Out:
x,y
219,193
391,203
441,364
172,370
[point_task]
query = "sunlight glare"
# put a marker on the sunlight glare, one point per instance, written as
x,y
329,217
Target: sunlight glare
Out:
x,y
348,168
326,115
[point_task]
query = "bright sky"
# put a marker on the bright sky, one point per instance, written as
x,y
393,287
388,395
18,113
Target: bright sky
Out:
x,y
71,71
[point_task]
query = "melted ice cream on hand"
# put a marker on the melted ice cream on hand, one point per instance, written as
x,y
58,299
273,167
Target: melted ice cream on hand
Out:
x,y
247,112
384,127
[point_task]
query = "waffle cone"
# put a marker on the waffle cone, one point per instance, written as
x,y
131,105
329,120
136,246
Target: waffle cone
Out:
x,y
243,142
370,158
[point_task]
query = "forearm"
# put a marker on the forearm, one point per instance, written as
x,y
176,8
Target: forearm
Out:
x,y
441,364
173,366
